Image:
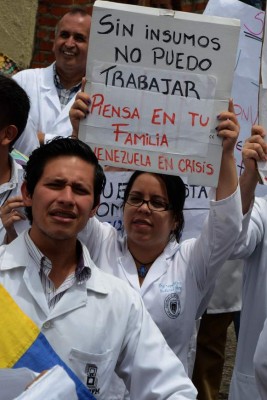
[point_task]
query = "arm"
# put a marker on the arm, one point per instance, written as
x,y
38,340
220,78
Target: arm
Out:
x,y
228,130
147,365
254,150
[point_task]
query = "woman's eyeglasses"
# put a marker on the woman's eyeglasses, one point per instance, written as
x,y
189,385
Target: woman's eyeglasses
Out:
x,y
153,205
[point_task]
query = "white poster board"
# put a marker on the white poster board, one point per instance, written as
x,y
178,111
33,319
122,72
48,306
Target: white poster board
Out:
x,y
245,95
245,90
157,81
262,166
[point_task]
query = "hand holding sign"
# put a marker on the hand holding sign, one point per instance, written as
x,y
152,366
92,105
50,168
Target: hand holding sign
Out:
x,y
228,128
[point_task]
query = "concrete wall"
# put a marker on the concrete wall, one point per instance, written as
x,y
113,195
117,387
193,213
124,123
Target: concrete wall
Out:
x,y
17,29
27,26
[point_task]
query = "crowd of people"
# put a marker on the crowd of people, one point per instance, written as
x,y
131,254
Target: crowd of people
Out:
x,y
120,308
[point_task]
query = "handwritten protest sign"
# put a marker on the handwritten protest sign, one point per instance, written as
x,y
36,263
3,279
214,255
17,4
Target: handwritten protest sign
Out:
x,y
245,95
262,166
157,80
110,208
245,91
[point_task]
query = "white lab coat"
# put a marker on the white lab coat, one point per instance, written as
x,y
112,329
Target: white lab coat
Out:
x,y
11,189
45,112
252,246
260,363
225,296
101,322
181,275
55,384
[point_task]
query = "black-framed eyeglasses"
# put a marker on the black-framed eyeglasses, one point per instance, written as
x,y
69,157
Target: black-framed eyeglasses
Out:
x,y
153,204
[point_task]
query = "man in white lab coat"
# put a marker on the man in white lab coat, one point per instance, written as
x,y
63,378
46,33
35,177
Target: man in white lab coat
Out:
x,y
92,320
52,90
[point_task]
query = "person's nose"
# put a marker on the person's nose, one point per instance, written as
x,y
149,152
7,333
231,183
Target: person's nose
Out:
x,y
70,42
66,195
144,207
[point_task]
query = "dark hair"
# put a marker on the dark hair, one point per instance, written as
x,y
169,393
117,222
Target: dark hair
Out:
x,y
57,147
176,195
14,105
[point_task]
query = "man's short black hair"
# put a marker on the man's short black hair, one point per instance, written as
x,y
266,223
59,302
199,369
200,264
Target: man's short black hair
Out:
x,y
58,147
14,105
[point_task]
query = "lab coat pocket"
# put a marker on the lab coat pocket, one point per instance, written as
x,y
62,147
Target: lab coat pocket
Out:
x,y
95,370
243,387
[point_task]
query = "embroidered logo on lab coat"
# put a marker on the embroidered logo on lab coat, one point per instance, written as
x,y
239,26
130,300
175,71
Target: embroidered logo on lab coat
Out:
x,y
92,380
172,305
170,288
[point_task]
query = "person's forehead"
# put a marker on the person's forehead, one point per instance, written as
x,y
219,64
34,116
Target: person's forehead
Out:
x,y
149,182
72,166
75,22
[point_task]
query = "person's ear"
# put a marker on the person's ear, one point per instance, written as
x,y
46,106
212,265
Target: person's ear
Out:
x,y
93,211
25,195
10,134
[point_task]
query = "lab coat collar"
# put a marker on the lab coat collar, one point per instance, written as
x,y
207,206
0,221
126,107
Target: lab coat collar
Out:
x,y
15,255
11,257
156,271
48,77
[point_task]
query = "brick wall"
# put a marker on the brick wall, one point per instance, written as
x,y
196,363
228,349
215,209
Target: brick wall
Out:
x,y
49,12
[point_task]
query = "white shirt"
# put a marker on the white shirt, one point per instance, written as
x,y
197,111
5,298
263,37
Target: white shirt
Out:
x,y
252,246
181,275
260,363
101,322
45,114
10,189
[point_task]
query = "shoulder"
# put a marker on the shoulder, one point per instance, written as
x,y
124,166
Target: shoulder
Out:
x,y
23,77
14,254
260,201
259,208
109,285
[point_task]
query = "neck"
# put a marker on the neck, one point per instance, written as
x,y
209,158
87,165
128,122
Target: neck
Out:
x,y
5,168
68,79
61,253
145,264
145,255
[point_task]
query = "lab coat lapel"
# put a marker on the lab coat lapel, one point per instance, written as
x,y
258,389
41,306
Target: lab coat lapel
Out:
x,y
34,285
49,97
128,269
157,269
48,91
74,297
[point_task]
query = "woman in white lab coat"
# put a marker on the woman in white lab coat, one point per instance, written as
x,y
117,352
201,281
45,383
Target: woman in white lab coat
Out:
x,y
172,278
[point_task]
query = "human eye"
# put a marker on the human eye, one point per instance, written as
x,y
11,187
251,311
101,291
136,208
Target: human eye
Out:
x,y
55,185
64,34
79,38
158,204
80,190
135,199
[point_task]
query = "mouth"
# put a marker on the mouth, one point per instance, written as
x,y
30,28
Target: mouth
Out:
x,y
63,215
141,222
68,53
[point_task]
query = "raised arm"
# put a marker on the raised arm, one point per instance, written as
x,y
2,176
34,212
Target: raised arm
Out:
x,y
254,149
228,130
